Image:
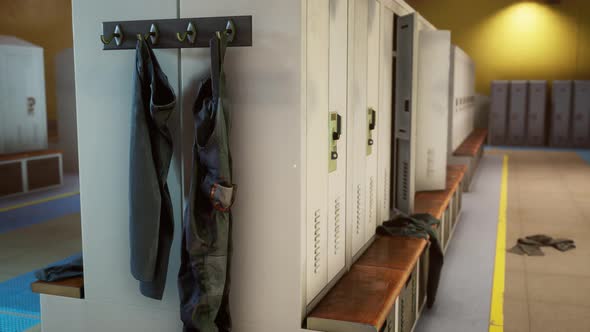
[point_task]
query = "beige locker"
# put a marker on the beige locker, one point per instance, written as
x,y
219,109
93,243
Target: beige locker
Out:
x,y
338,107
358,124
372,141
385,114
317,106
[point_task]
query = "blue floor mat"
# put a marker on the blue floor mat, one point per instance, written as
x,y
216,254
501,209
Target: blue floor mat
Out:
x,y
19,306
38,213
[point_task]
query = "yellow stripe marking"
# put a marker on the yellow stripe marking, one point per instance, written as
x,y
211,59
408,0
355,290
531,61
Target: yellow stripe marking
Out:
x,y
48,199
497,306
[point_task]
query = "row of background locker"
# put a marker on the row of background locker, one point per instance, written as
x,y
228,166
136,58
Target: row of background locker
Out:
x,y
521,114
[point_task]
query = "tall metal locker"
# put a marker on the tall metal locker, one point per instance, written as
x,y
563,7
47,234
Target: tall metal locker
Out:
x,y
372,141
561,113
385,116
318,159
581,123
499,113
536,124
517,111
358,122
405,104
434,65
338,138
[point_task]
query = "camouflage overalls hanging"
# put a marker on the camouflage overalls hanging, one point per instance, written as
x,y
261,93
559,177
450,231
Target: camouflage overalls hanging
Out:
x,y
206,244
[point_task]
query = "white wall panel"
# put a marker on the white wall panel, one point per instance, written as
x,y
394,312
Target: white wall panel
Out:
x,y
433,110
463,98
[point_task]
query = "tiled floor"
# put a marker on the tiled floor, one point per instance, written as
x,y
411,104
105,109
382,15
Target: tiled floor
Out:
x,y
548,193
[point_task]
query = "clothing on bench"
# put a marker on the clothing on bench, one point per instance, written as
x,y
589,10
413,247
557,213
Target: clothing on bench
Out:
x,y
420,226
72,267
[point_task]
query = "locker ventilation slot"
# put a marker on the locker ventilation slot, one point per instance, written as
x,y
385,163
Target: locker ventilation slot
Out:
x,y
336,225
316,245
405,184
358,209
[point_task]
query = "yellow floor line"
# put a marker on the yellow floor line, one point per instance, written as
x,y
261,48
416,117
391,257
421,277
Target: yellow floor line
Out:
x,y
48,199
497,307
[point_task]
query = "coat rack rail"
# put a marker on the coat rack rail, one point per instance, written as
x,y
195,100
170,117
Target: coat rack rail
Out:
x,y
176,33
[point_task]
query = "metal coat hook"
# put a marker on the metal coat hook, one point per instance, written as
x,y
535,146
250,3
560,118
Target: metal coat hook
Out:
x,y
117,35
190,34
230,30
154,34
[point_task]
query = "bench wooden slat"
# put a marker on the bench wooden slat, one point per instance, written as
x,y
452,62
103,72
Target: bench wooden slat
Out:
x,y
472,143
394,252
365,295
25,155
72,287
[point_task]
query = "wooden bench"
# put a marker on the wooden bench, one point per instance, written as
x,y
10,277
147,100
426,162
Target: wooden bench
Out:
x,y
72,287
30,171
379,292
470,153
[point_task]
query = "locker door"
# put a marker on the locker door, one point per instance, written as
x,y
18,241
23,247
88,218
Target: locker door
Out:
x,y
404,113
317,103
338,137
536,113
498,112
561,113
384,116
372,141
518,107
581,123
357,114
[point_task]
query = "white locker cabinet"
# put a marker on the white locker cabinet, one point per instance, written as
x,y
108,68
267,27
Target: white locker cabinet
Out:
x,y
433,110
318,156
358,121
384,117
581,122
372,141
338,111
561,113
537,106
462,100
517,111
499,113
23,114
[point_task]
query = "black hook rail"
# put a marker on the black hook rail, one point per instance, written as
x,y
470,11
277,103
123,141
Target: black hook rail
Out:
x,y
173,33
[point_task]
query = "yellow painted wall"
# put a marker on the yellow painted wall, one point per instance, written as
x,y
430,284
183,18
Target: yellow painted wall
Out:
x,y
511,39
47,23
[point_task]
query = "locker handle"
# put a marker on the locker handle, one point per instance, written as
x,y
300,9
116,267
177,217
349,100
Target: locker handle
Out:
x,y
373,119
336,135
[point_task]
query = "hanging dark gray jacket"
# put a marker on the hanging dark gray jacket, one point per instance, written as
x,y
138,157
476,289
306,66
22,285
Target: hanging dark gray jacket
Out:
x,y
151,223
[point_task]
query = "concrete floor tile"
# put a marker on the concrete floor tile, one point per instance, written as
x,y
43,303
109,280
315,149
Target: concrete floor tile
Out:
x,y
515,287
555,262
560,289
550,317
514,262
516,315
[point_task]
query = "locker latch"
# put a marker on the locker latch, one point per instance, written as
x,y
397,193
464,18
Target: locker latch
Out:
x,y
335,134
371,121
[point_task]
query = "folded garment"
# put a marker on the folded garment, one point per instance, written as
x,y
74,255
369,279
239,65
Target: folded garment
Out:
x,y
531,245
420,226
69,268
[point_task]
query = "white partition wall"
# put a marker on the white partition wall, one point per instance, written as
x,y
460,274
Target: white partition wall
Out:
x,y
537,113
561,113
23,110
518,112
581,114
433,110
